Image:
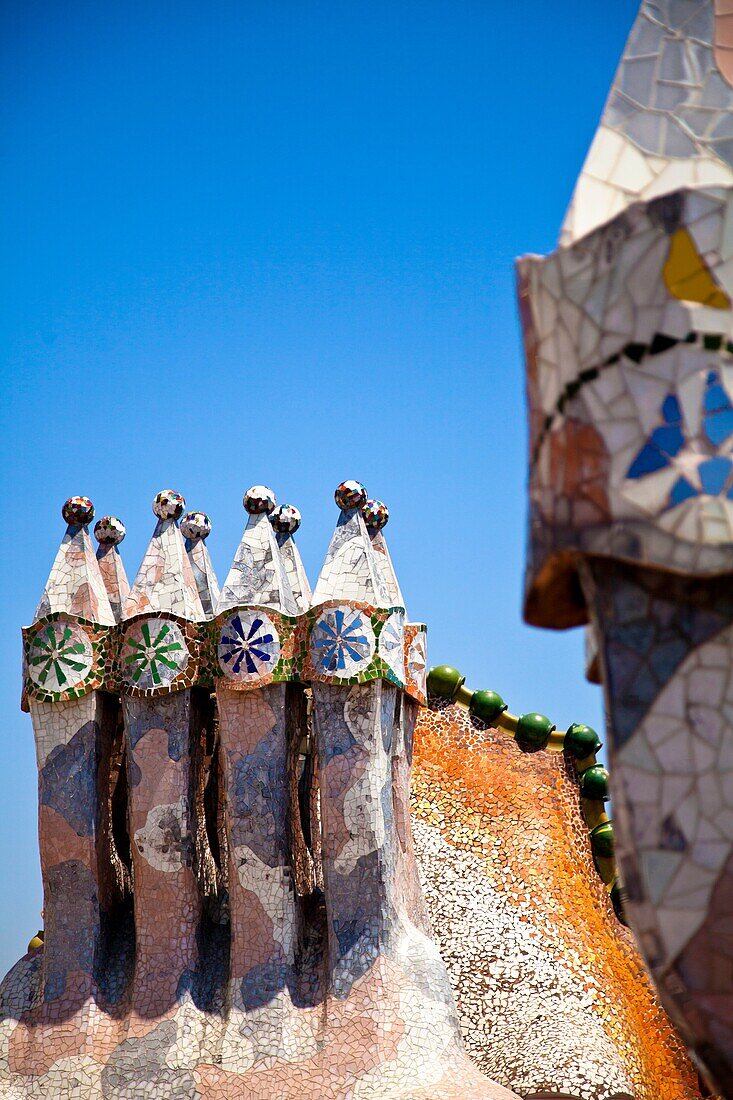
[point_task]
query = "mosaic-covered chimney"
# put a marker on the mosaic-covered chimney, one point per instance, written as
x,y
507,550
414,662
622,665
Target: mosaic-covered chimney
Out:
x,y
628,332
159,666
69,651
256,621
364,720
232,903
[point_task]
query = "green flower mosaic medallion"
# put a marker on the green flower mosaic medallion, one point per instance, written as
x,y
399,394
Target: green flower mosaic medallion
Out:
x,y
60,656
154,652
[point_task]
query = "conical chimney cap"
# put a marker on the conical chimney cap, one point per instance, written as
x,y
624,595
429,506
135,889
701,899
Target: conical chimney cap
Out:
x,y
258,574
165,580
196,528
75,585
350,570
109,531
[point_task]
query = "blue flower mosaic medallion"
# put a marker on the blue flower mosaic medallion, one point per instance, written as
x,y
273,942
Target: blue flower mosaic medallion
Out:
x,y
154,652
392,644
342,642
60,656
249,646
704,461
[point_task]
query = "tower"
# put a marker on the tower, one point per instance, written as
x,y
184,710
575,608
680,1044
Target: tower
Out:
x,y
69,650
255,643
628,340
159,665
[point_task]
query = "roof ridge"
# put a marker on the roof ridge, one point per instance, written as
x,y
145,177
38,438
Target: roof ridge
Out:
x,y
533,731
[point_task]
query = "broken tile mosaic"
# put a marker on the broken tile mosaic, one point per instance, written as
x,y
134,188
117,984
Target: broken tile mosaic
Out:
x,y
628,334
233,903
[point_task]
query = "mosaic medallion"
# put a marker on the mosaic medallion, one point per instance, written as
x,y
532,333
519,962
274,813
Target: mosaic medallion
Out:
x,y
701,462
417,659
392,644
249,646
154,652
60,656
342,642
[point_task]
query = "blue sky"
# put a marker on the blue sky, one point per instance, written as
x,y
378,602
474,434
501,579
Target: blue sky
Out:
x,y
273,242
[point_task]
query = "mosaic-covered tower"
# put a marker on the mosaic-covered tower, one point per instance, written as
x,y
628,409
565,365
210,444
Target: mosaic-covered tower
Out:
x,y
68,652
256,638
159,665
629,349
378,949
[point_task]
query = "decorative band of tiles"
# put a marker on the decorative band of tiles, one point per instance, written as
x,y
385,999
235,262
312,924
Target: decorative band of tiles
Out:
x,y
339,642
633,353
